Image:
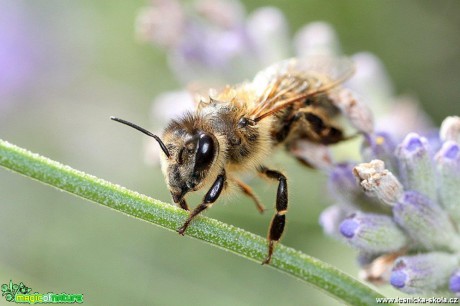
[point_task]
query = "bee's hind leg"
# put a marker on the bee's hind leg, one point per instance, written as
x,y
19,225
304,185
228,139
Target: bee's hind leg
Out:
x,y
279,219
320,130
211,196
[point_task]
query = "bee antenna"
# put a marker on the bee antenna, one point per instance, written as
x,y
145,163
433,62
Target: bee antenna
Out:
x,y
160,142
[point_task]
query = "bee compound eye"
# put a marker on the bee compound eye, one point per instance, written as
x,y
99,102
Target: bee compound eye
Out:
x,y
205,152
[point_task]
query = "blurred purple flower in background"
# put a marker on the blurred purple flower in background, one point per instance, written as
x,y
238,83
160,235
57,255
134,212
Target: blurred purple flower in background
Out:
x,y
17,57
209,40
397,203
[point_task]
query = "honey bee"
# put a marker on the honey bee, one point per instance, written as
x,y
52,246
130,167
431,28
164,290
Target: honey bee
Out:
x,y
237,128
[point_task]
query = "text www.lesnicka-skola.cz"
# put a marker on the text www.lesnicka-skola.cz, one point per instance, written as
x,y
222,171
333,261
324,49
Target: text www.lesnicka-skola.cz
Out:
x,y
418,300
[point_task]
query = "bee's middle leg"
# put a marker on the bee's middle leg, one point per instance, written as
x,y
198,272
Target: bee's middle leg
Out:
x,y
211,196
248,191
279,219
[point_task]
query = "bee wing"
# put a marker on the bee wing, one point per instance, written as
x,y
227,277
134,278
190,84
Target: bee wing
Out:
x,y
293,80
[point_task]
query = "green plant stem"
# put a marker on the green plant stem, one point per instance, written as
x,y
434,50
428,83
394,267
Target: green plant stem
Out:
x,y
227,237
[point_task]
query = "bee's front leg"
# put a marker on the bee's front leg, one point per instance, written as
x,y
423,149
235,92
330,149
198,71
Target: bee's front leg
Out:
x,y
279,219
211,196
183,204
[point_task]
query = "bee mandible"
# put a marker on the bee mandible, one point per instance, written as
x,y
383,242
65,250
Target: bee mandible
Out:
x,y
237,128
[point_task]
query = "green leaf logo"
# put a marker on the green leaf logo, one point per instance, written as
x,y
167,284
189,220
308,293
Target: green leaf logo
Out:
x,y
10,290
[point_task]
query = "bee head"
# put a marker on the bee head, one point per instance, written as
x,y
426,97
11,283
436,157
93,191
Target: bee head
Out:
x,y
192,158
189,155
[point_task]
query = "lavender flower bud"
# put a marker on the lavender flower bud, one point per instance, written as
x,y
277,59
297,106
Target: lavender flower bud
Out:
x,y
371,81
153,26
426,222
342,183
378,181
423,273
330,219
454,282
265,26
450,129
416,165
222,13
448,166
373,233
380,146
403,117
316,38
359,114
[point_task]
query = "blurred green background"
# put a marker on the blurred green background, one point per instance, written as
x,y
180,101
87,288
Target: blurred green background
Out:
x,y
77,63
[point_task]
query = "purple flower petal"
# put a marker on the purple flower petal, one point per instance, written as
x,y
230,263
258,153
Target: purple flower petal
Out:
x,y
348,228
413,144
454,282
398,279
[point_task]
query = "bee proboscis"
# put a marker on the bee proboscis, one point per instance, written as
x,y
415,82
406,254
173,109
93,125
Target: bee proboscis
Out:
x,y
237,128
